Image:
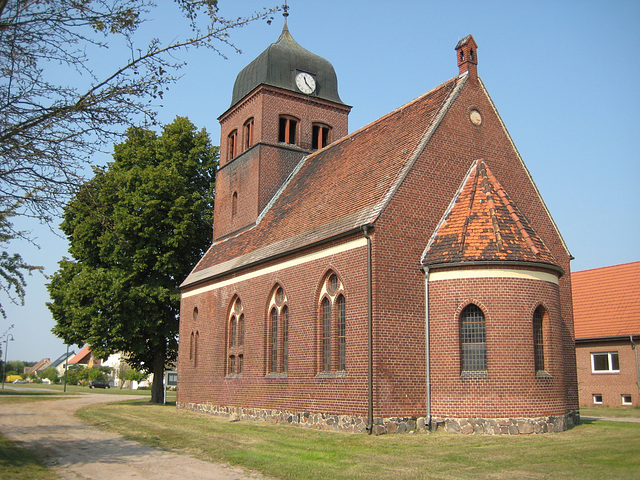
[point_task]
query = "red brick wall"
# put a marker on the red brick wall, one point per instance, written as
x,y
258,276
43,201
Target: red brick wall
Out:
x,y
511,388
610,385
399,238
257,173
266,105
302,389
403,230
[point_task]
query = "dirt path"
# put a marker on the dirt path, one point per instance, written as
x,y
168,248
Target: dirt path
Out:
x,y
76,450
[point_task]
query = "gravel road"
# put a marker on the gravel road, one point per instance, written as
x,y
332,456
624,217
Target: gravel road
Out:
x,y
75,450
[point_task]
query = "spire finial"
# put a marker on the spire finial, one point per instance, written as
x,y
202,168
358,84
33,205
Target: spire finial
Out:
x,y
285,13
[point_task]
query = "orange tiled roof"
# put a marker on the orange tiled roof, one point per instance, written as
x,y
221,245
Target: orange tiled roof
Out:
x,y
606,301
337,189
482,224
82,356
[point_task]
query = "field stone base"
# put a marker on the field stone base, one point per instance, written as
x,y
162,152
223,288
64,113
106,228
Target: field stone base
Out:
x,y
384,425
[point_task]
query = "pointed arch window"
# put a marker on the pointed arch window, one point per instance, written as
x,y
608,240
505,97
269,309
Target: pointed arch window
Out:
x,y
538,338
235,332
332,326
473,339
278,332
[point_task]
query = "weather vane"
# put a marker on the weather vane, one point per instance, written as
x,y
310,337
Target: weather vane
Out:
x,y
285,14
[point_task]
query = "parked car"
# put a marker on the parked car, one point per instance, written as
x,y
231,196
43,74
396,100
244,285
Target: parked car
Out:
x,y
98,385
20,380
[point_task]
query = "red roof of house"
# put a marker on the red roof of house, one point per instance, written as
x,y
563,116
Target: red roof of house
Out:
x,y
606,301
82,357
337,189
41,365
482,224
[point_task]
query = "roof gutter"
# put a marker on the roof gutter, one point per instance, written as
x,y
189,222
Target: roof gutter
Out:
x,y
604,339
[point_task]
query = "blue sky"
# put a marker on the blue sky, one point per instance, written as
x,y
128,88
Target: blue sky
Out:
x,y
563,75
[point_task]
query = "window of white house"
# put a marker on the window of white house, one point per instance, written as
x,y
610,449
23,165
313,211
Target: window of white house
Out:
x,y
597,398
603,362
626,400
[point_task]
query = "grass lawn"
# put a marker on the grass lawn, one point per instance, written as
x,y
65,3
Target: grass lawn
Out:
x,y
44,389
616,412
593,450
20,463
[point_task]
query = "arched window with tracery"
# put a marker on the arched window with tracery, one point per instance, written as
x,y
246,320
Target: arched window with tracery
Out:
x,y
278,332
236,338
332,326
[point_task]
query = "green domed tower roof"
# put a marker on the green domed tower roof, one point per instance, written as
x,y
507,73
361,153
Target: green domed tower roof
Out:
x,y
278,66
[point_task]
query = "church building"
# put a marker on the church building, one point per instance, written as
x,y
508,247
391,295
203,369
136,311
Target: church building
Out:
x,y
403,277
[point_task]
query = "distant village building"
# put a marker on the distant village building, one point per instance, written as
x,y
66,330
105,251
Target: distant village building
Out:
x,y
40,366
404,276
85,358
606,302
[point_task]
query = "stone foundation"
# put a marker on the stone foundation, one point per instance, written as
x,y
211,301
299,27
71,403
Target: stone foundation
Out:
x,y
347,423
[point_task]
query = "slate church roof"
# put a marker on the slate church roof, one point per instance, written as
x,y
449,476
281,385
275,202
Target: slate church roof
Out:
x,y
277,66
483,225
338,189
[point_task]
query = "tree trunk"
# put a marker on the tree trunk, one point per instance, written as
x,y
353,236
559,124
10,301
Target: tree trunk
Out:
x,y
157,388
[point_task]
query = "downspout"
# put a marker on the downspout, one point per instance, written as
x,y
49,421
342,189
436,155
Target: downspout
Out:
x,y
365,230
427,345
635,347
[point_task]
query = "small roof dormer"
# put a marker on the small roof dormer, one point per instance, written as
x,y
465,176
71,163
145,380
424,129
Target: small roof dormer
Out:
x,y
467,54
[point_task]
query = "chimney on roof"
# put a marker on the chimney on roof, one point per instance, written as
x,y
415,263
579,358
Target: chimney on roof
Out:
x,y
467,53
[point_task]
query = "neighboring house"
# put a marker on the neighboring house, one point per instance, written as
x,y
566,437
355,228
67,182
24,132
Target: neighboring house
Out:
x,y
85,358
606,302
40,366
60,363
402,276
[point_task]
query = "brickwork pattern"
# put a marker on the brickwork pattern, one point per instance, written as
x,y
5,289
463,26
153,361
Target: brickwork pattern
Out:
x,y
351,177
612,386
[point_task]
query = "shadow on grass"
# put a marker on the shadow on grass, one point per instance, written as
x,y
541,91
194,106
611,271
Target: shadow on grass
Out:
x,y
19,462
30,393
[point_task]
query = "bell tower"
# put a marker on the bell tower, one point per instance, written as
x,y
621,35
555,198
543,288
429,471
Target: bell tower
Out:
x,y
285,105
467,51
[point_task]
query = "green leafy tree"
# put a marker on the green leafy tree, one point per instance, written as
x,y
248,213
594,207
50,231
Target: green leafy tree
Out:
x,y
17,366
74,374
135,375
51,374
135,231
74,73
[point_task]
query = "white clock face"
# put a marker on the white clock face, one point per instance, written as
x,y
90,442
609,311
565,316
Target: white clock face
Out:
x,y
305,82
